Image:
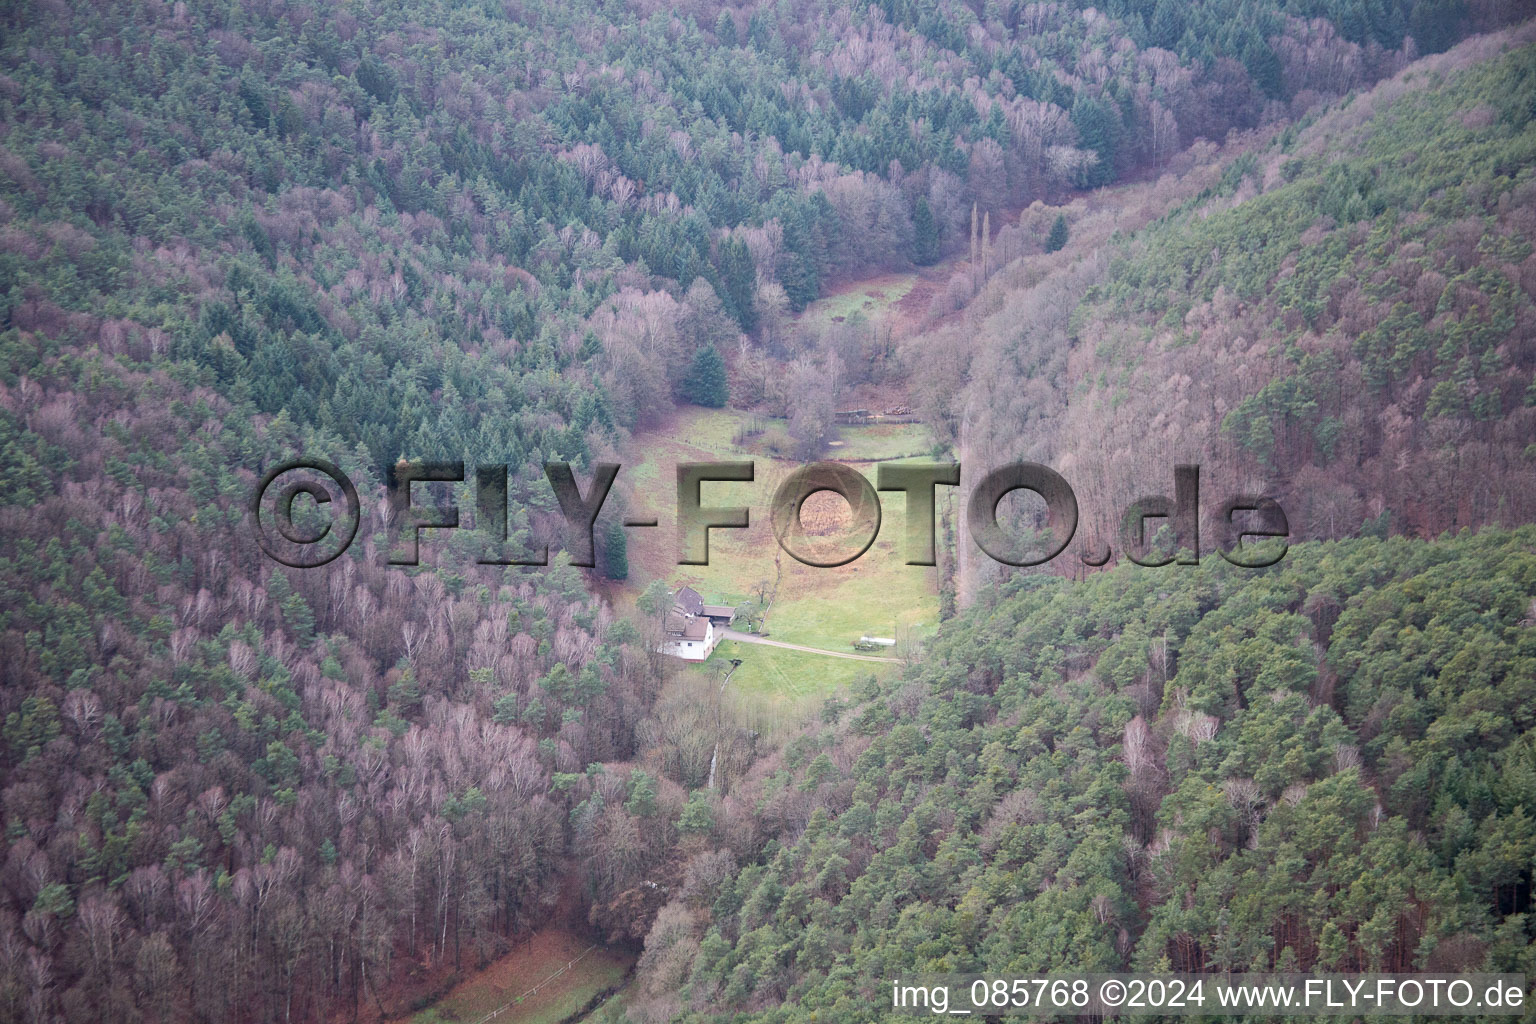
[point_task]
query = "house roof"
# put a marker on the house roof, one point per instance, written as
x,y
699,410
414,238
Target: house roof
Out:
x,y
688,602
719,611
696,629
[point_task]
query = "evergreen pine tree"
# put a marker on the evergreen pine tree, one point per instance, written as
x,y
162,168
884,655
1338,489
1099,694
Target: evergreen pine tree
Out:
x,y
1167,24
797,273
725,29
1058,235
1264,67
615,552
698,816
705,383
642,794
1098,128
1434,26
738,276
925,234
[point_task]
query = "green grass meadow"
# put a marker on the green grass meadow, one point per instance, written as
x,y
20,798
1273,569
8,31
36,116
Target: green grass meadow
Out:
x,y
829,608
868,298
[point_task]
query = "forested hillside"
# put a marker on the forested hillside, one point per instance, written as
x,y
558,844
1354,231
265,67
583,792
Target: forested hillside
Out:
x,y
1341,317
1327,765
504,233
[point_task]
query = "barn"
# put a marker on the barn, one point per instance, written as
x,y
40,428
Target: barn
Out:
x,y
692,628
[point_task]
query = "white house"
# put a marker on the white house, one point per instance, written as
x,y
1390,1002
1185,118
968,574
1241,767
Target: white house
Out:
x,y
690,631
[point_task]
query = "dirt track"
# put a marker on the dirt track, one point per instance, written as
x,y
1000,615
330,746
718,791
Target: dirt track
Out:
x,y
748,638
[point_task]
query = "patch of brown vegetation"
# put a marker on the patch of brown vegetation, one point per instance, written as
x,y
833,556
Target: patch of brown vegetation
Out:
x,y
825,513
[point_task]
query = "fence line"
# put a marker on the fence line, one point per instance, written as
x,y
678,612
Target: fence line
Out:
x,y
534,991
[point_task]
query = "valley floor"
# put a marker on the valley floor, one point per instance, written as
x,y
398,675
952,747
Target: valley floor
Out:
x,y
550,977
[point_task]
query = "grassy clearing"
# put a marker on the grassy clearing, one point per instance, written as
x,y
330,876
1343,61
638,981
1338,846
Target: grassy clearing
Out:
x,y
527,967
867,297
775,687
882,443
878,594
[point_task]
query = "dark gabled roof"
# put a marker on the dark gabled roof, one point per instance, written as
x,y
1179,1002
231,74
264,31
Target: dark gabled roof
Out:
x,y
719,611
696,629
688,602
676,623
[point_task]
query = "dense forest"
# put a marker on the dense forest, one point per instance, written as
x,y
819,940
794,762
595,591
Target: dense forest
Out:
x,y
519,232
1341,317
1326,765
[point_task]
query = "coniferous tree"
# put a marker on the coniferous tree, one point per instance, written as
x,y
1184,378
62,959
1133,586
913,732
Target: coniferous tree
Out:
x,y
1434,25
1264,67
738,276
725,29
697,817
1058,235
615,552
706,383
925,234
1167,24
1098,126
